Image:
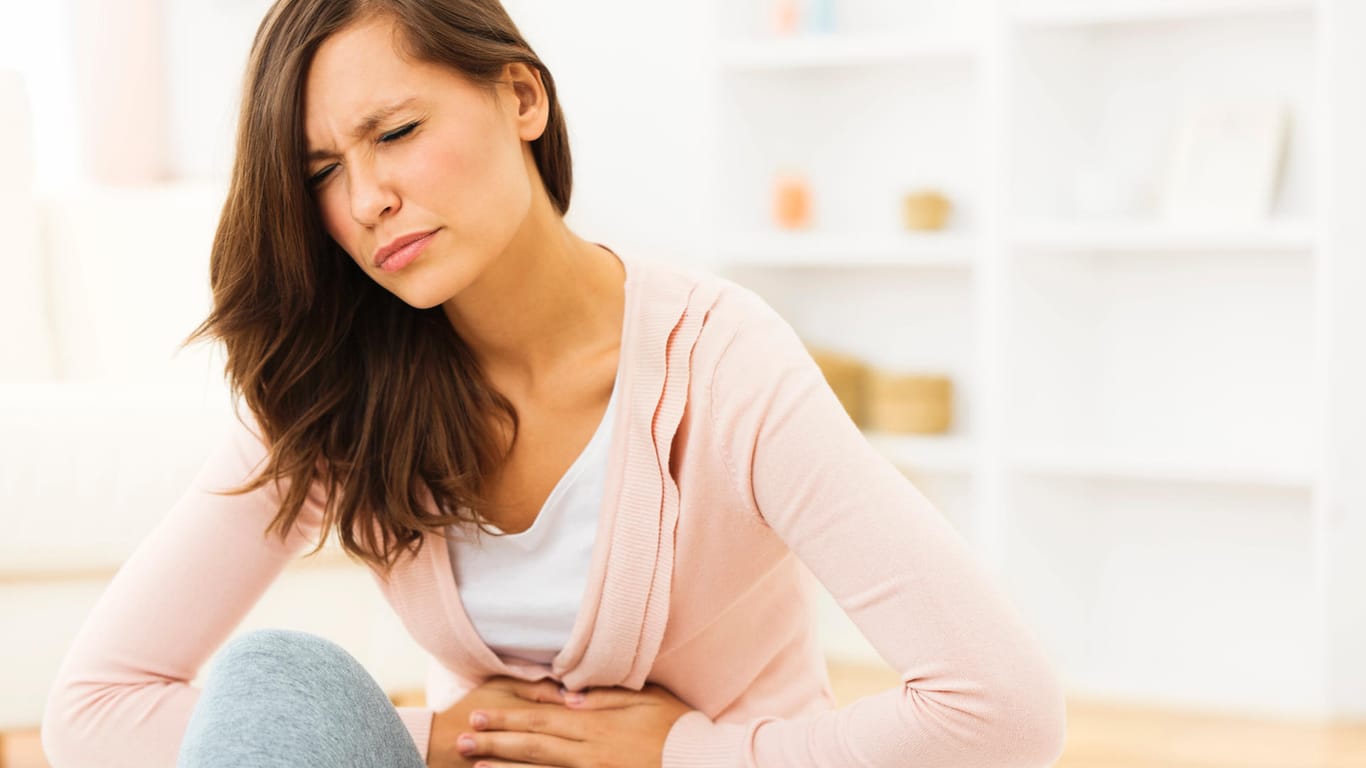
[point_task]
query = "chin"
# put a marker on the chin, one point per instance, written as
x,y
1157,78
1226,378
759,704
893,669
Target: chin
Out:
x,y
424,291
424,296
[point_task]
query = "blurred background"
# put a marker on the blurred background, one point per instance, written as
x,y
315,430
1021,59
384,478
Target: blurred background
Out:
x,y
1091,272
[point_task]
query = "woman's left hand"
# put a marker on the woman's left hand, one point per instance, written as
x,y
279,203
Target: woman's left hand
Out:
x,y
606,728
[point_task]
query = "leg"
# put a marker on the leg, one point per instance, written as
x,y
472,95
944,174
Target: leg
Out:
x,y
277,698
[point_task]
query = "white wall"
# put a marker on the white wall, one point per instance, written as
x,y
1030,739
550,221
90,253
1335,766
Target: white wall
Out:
x,y
629,81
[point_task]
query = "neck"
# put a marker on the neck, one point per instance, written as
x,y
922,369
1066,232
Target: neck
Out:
x,y
550,300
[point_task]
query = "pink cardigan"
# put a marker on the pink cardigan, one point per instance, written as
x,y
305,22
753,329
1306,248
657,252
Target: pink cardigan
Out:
x,y
736,466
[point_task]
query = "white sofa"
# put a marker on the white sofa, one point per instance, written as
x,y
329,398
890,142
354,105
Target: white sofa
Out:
x,y
102,427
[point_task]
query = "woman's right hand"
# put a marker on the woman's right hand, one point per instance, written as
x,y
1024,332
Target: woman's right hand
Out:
x,y
496,692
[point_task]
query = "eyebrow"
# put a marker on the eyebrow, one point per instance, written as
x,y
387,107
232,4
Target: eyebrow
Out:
x,y
367,124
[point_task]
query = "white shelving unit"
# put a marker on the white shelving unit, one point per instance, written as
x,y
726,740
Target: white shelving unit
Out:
x,y
1157,439
1074,13
1136,236
806,52
946,251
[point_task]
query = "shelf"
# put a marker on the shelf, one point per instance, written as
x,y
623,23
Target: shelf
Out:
x,y
1088,462
780,249
827,52
1062,14
1150,237
924,453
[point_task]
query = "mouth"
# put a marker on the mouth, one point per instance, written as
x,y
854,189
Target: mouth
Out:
x,y
402,251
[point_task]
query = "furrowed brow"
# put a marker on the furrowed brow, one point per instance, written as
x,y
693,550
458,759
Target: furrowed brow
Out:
x,y
366,126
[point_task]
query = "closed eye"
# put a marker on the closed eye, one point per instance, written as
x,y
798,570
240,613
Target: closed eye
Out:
x,y
398,133
394,135
320,176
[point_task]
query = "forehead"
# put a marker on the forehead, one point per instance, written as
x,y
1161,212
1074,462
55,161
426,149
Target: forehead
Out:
x,y
361,69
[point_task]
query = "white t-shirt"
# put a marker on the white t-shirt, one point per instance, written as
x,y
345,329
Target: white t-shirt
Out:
x,y
522,591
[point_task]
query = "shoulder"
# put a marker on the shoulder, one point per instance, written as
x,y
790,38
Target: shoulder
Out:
x,y
727,310
741,350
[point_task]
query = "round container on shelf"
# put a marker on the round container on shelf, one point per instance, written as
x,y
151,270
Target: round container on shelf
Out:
x,y
926,210
909,403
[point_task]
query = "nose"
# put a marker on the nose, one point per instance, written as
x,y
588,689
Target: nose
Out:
x,y
372,196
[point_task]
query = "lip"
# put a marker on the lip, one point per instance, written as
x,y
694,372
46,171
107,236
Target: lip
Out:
x,y
400,251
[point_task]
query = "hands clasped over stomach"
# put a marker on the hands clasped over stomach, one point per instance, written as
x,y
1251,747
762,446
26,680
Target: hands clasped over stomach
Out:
x,y
507,722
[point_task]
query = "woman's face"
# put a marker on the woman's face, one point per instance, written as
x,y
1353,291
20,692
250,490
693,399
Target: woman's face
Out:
x,y
400,148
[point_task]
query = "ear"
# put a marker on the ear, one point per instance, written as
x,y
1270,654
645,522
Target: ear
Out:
x,y
533,103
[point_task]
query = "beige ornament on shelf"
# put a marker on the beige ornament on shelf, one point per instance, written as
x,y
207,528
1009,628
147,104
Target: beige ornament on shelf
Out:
x,y
909,403
926,210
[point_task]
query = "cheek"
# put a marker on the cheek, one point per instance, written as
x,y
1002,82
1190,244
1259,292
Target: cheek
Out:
x,y
337,221
468,177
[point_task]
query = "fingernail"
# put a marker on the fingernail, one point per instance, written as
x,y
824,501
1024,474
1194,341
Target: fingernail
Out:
x,y
574,698
479,720
464,744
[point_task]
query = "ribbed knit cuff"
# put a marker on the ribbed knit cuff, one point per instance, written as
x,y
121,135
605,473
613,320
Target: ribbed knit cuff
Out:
x,y
696,742
418,721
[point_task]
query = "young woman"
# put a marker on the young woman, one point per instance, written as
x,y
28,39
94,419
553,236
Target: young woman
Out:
x,y
588,483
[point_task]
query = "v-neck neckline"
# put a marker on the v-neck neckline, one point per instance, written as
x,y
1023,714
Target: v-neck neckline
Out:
x,y
575,467
573,649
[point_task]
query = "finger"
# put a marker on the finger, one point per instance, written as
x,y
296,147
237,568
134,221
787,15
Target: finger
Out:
x,y
533,748
606,698
544,691
551,721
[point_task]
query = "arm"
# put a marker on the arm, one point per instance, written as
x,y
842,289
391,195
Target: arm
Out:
x,y
122,696
976,689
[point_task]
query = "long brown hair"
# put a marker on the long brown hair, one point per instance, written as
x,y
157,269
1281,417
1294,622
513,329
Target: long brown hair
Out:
x,y
353,388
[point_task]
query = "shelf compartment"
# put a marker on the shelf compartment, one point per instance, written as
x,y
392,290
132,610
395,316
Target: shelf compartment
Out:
x,y
829,249
1147,367
1133,236
860,151
1169,594
1096,115
1093,13
843,51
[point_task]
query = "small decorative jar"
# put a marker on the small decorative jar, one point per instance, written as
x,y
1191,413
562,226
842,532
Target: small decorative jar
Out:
x,y
926,210
791,201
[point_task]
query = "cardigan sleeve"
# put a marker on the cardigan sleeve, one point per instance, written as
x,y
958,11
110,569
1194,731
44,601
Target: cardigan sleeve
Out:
x,y
976,689
123,694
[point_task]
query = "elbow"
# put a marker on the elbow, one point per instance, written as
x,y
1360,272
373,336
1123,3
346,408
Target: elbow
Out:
x,y
1034,734
1028,724
67,730
1005,722
57,731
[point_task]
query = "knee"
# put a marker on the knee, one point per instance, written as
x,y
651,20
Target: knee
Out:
x,y
283,654
279,643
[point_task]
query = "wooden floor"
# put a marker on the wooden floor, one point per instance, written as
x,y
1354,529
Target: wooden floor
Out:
x,y
1099,735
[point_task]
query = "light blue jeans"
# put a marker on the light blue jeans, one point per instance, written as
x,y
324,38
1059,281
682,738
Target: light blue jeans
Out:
x,y
277,698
